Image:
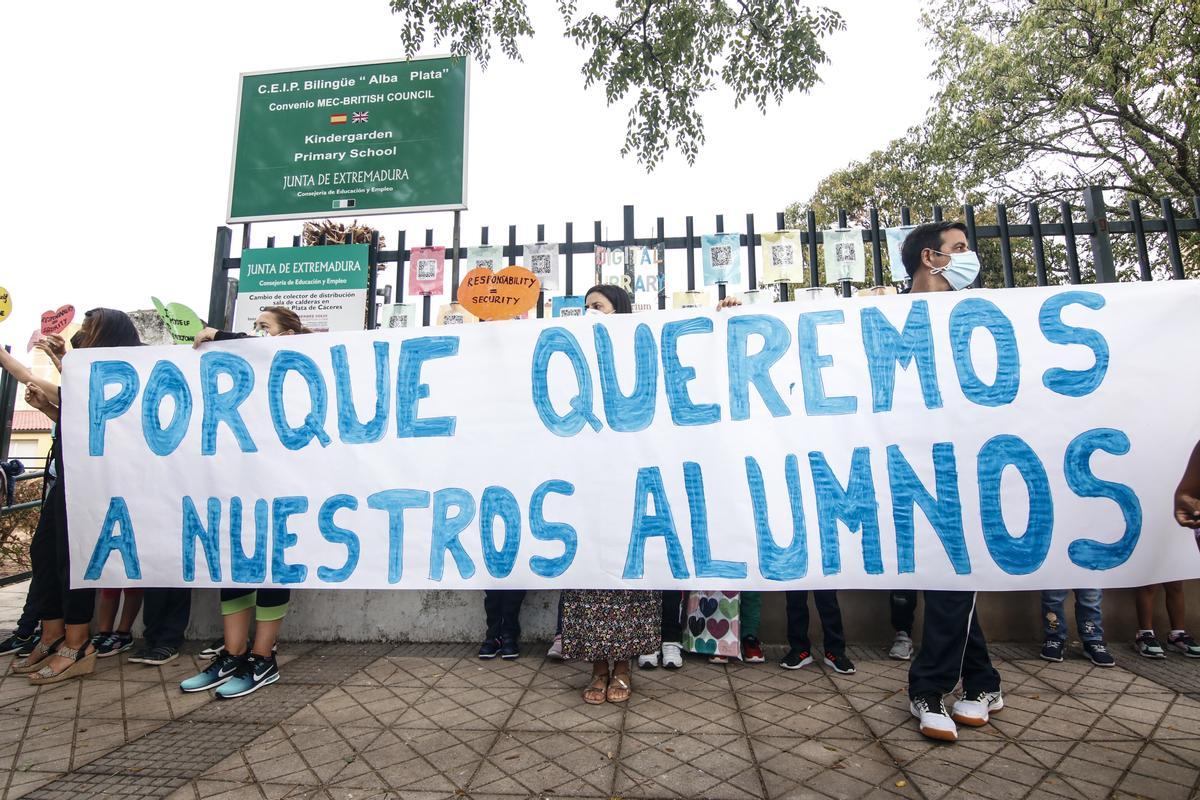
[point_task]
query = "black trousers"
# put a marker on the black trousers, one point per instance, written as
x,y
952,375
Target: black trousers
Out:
x,y
50,595
952,647
833,638
165,613
672,616
904,609
503,610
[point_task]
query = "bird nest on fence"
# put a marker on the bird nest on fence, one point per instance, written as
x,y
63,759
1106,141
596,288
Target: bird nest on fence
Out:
x,y
339,233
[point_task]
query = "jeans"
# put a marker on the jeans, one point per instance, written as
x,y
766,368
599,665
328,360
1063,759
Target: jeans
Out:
x,y
904,609
672,619
1087,614
503,610
165,614
832,637
952,647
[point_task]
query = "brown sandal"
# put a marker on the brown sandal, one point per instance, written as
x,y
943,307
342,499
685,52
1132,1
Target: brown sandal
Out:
x,y
47,649
80,665
619,687
596,691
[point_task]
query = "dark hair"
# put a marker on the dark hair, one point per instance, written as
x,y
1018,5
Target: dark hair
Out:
x,y
922,238
615,294
288,320
109,328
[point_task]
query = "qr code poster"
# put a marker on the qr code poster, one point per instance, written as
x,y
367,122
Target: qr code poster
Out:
x,y
895,239
690,300
567,306
398,315
426,270
487,257
722,257
845,255
782,257
542,260
454,314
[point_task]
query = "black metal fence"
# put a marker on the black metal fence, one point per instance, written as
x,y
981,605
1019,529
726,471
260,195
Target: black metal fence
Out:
x,y
1100,226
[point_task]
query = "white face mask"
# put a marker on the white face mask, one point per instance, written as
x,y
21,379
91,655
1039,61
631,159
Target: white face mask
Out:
x,y
594,312
962,270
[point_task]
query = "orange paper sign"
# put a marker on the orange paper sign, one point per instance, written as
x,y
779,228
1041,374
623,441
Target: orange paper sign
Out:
x,y
499,295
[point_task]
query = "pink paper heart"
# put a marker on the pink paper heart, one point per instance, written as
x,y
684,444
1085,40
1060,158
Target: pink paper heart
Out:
x,y
718,628
57,321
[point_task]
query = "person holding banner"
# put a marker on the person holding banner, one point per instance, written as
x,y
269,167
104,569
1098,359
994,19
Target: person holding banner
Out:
x,y
938,258
1187,495
65,650
242,666
606,626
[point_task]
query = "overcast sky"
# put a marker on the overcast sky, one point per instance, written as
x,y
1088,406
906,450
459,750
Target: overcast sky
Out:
x,y
121,128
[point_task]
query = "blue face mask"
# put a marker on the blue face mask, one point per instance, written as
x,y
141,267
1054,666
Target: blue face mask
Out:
x,y
962,270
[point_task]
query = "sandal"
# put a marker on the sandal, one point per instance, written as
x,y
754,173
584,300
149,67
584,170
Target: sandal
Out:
x,y
619,688
80,665
25,666
595,692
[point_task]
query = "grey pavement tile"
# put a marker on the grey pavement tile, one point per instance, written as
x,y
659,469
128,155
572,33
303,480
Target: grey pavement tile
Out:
x,y
718,767
498,673
550,763
771,678
406,672
695,711
469,707
22,782
787,714
558,708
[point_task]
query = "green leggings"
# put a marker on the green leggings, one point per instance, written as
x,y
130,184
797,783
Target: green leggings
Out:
x,y
750,611
268,604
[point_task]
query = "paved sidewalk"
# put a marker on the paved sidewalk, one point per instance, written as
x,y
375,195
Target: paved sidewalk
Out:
x,y
431,721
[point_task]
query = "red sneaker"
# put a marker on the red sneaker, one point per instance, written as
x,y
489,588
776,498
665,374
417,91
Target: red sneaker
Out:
x,y
752,650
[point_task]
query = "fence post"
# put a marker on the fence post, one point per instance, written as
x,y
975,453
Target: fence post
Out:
x,y
372,281
8,405
216,294
1102,254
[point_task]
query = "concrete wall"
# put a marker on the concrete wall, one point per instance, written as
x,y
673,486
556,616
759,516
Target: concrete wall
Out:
x,y
457,616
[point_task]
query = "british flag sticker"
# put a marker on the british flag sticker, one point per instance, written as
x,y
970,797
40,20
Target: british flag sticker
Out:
x,y
359,116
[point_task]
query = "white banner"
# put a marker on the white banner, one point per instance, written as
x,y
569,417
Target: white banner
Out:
x,y
990,440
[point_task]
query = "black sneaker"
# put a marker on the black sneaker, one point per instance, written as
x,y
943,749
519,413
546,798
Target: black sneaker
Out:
x,y
16,643
1147,646
795,659
1098,653
839,663
155,656
254,673
490,648
214,648
1052,650
509,648
112,644
28,648
1184,644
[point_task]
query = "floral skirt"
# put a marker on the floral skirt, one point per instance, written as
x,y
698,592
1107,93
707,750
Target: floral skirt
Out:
x,y
610,624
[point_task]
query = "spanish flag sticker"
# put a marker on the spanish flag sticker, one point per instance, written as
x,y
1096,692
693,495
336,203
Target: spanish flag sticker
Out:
x,y
337,119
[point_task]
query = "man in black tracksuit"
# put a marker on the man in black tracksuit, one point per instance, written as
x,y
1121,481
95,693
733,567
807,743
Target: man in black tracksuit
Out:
x,y
937,257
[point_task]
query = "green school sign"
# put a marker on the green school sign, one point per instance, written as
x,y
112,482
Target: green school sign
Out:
x,y
355,139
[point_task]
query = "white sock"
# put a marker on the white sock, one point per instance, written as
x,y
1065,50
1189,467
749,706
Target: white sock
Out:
x,y
1145,631
1177,633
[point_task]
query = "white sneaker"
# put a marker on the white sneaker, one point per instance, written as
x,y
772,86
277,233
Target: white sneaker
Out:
x,y
672,655
935,722
555,651
902,647
975,709
648,661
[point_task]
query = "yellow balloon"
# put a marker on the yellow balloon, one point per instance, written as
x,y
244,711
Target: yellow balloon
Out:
x,y
5,304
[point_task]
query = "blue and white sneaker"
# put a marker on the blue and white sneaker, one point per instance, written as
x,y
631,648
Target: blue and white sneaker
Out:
x,y
220,671
254,673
